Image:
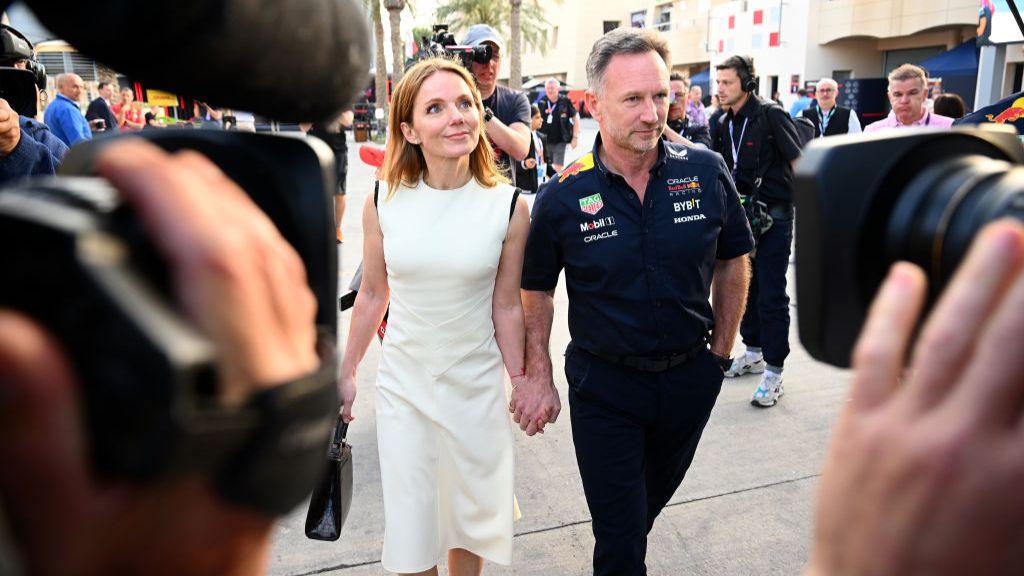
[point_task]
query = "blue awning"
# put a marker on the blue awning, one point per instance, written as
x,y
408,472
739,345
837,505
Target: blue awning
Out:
x,y
701,77
960,61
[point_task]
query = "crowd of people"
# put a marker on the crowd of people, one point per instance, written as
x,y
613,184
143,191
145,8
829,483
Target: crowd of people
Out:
x,y
673,234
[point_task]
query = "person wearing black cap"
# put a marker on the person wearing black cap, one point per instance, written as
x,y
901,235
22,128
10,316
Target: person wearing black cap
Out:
x,y
27,147
506,111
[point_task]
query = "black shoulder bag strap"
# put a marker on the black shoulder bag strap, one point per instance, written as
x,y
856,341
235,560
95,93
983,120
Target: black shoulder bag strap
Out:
x,y
512,209
376,190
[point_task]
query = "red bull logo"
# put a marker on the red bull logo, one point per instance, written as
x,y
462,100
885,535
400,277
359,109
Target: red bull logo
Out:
x,y
582,165
1011,114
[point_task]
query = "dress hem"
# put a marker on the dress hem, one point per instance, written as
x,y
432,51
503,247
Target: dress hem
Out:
x,y
438,562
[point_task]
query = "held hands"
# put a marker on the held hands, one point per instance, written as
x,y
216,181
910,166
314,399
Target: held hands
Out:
x,y
534,403
10,129
925,470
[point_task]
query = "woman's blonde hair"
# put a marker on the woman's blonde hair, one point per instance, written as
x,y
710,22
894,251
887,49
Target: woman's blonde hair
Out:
x,y
403,161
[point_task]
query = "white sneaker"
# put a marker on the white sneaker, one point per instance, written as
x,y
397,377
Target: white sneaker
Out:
x,y
768,391
746,364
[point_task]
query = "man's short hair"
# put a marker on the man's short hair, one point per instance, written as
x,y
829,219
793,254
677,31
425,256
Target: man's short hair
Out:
x,y
102,85
623,41
742,66
827,82
552,80
909,72
801,92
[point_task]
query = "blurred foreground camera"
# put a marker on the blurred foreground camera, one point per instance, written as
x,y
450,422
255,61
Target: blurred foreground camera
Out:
x,y
81,264
866,202
442,44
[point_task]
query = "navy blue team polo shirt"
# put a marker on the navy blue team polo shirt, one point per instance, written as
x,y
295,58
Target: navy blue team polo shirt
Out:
x,y
638,277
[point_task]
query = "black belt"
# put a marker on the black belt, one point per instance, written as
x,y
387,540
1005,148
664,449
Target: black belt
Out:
x,y
651,363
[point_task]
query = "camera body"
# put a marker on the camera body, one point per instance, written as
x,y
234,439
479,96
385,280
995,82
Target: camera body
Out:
x,y
865,202
84,267
442,44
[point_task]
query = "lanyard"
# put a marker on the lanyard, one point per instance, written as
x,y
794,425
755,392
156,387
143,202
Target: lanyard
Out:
x,y
736,147
825,119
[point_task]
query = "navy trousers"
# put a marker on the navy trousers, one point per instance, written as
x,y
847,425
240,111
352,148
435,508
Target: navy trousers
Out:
x,y
635,435
765,322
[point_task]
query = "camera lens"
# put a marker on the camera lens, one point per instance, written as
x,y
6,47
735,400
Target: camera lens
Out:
x,y
945,206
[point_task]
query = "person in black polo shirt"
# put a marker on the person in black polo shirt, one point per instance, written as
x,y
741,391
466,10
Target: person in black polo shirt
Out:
x,y
759,142
561,124
828,117
645,230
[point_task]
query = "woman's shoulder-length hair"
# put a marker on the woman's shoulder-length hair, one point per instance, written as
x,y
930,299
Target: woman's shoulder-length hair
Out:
x,y
404,163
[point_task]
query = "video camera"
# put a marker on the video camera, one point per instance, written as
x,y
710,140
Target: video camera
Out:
x,y
924,197
18,85
442,43
79,262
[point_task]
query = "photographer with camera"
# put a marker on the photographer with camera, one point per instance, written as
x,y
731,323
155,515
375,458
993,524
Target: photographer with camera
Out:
x,y
680,127
27,147
759,142
506,111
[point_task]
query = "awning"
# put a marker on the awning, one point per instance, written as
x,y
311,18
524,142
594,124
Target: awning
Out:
x,y
701,77
960,61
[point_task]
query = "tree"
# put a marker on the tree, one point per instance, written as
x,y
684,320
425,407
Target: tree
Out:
x,y
515,64
380,81
395,8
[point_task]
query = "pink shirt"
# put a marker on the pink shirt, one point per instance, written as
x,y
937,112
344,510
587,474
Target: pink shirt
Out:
x,y
929,119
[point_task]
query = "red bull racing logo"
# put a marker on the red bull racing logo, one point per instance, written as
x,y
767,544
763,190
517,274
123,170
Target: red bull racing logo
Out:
x,y
582,165
1011,114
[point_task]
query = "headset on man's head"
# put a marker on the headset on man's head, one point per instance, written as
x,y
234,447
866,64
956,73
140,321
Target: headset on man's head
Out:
x,y
15,46
748,81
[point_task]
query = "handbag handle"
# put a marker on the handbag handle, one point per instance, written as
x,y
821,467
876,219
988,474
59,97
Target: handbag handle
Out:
x,y
340,431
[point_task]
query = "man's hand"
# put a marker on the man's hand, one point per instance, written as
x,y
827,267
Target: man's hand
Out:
x,y
534,403
925,470
10,129
239,281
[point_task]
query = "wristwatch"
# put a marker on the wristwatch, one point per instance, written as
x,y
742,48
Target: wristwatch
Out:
x,y
724,362
488,114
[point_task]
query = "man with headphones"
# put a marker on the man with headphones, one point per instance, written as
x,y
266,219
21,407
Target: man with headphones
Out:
x,y
27,147
759,143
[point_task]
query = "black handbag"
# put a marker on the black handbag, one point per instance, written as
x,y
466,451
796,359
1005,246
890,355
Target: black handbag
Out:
x,y
332,498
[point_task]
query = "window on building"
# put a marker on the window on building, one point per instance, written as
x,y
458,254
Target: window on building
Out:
x,y
638,19
663,18
610,25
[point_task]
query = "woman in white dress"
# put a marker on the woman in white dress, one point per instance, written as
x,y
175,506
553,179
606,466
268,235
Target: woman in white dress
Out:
x,y
445,245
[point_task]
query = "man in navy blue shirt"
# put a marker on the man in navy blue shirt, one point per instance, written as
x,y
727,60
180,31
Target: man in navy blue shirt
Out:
x,y
63,115
645,231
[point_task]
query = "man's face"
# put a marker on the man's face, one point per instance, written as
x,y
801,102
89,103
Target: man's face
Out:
x,y
487,74
632,105
907,99
826,96
107,92
730,91
696,94
551,90
73,88
677,109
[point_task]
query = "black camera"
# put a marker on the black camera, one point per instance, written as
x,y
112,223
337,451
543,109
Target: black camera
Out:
x,y
80,263
18,85
442,44
868,201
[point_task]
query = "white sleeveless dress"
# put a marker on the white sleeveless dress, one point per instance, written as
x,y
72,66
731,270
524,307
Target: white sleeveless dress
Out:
x,y
443,427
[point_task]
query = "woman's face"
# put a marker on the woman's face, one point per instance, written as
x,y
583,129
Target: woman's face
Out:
x,y
445,121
